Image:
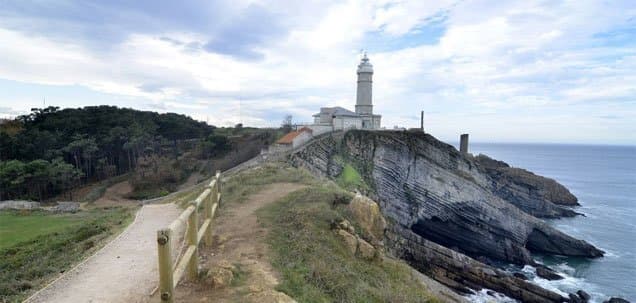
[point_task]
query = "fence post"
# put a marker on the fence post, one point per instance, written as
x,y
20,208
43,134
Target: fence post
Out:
x,y
218,183
207,236
215,192
166,288
193,263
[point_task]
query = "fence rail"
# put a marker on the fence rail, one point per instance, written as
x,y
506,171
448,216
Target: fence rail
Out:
x,y
169,274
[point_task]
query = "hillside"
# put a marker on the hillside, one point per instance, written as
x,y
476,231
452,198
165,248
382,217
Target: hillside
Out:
x,y
108,159
51,151
279,237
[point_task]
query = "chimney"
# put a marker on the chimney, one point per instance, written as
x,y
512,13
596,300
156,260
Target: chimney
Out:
x,y
463,143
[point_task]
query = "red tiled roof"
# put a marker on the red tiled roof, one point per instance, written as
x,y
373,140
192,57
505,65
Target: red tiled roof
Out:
x,y
289,138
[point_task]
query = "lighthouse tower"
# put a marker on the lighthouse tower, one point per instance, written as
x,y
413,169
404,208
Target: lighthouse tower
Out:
x,y
364,95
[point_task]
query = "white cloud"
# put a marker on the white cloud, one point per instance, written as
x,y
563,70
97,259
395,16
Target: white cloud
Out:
x,y
505,61
401,17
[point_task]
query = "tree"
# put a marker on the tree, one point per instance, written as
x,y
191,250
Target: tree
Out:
x,y
36,179
12,176
82,150
6,146
214,145
286,126
38,172
63,175
94,142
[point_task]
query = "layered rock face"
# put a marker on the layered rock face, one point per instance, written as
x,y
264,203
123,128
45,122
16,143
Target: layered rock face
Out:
x,y
445,207
427,186
536,195
458,271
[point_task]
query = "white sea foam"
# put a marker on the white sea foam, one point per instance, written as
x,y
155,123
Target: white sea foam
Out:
x,y
565,268
482,296
569,283
609,253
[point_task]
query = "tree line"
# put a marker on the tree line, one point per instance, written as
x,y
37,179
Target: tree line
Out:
x,y
50,150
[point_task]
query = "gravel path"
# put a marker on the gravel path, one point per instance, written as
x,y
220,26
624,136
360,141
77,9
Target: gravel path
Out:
x,y
125,270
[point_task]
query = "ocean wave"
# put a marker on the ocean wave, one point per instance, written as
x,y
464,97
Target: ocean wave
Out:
x,y
486,296
569,283
610,253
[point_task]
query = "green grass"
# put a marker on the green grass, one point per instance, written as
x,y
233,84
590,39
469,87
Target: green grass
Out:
x,y
314,263
239,275
16,227
351,179
27,265
239,187
184,198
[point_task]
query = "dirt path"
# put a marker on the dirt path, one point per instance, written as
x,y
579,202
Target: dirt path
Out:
x,y
240,241
115,196
192,180
125,270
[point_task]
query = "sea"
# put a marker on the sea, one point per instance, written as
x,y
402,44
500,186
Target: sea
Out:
x,y
603,178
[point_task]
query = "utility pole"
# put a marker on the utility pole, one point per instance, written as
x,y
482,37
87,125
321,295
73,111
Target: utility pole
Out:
x,y
422,121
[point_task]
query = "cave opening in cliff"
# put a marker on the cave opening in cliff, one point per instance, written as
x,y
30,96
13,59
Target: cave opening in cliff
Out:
x,y
539,242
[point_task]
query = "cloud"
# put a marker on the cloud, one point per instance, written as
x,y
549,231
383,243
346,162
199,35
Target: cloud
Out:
x,y
6,111
253,27
222,61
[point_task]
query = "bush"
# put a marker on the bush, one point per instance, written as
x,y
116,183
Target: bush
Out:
x,y
157,176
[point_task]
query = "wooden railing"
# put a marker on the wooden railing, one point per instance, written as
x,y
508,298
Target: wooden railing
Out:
x,y
170,275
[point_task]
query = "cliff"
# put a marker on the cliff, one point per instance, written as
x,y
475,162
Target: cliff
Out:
x,y
471,206
536,195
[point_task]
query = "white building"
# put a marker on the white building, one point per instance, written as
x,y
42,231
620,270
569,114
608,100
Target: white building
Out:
x,y
336,118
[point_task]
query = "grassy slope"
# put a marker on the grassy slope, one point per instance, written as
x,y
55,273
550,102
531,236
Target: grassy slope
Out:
x,y
16,227
314,263
350,178
29,264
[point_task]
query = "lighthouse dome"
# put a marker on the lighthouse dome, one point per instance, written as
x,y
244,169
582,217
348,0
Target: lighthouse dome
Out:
x,y
365,66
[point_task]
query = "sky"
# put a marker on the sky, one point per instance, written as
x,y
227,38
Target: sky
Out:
x,y
502,71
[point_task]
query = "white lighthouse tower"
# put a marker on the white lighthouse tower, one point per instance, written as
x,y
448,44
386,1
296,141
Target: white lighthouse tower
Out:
x,y
364,95
337,118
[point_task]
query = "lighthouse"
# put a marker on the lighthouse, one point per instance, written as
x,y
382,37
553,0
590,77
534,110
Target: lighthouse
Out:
x,y
337,118
364,95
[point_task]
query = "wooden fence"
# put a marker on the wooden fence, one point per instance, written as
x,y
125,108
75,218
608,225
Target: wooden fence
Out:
x,y
206,203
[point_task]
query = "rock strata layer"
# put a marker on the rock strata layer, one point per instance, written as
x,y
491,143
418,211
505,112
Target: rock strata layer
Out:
x,y
466,206
535,195
428,187
459,271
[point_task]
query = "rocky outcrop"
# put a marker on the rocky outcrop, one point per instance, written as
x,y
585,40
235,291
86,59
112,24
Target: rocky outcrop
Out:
x,y
366,213
19,204
319,155
355,244
447,209
536,195
459,271
59,207
65,207
547,273
427,186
